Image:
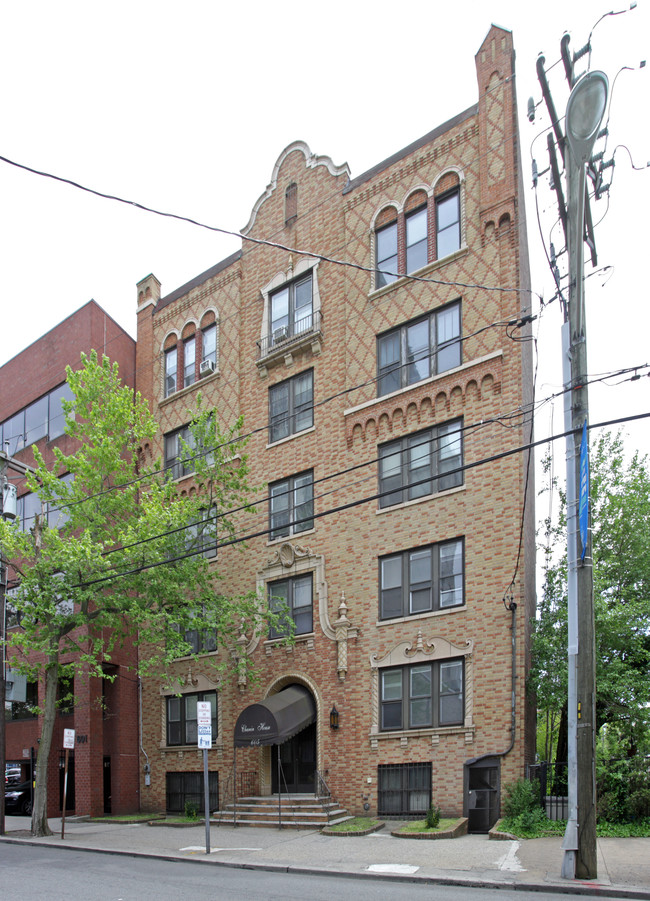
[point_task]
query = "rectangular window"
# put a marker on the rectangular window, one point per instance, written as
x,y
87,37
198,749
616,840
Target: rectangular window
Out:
x,y
291,406
171,370
291,503
416,240
189,787
57,414
404,789
209,349
293,598
181,717
201,536
36,420
386,251
448,223
42,418
24,710
421,580
179,461
422,696
421,464
189,361
291,310
65,695
414,351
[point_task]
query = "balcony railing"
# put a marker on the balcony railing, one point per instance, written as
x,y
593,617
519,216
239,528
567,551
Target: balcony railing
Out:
x,y
280,339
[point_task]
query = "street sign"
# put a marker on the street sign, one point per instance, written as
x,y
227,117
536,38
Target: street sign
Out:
x,y
203,713
205,742
68,739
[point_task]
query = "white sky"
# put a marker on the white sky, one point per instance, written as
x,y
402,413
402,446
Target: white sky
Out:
x,y
186,107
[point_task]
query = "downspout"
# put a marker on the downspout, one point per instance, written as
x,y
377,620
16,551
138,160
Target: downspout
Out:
x,y
512,607
147,767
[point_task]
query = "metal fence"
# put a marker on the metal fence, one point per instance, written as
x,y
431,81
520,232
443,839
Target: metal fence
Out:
x,y
553,787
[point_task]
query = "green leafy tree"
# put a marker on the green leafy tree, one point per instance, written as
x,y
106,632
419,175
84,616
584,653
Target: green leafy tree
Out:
x,y
126,558
620,513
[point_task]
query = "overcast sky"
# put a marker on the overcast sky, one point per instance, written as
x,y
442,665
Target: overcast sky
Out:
x,y
186,108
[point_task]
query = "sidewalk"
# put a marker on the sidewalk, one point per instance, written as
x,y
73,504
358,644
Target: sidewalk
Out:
x,y
623,864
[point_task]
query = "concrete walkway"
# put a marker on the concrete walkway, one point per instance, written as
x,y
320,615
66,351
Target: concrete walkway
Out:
x,y
623,864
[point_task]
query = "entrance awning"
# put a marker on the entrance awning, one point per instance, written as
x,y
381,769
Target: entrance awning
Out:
x,y
276,718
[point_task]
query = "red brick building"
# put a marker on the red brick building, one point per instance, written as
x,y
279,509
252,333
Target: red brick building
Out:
x,y
369,333
104,764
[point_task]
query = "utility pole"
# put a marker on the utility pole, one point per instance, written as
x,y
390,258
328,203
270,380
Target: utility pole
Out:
x,y
584,113
585,110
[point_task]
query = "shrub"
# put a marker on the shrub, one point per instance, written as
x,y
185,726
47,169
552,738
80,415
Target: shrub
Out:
x,y
433,817
521,797
191,810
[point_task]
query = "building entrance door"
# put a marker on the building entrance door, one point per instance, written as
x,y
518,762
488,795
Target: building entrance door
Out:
x,y
297,763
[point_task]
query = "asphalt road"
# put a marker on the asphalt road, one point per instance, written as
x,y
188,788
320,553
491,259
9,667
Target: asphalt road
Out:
x,y
62,874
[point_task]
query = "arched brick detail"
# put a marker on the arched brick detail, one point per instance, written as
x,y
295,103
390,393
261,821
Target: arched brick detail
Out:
x,y
426,404
416,199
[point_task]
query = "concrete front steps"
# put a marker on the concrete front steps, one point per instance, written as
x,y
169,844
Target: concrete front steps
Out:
x,y
298,812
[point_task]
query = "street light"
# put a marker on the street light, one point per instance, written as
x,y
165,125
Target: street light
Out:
x,y
584,114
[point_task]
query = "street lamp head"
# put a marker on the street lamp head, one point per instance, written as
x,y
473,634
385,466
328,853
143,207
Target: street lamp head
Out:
x,y
584,113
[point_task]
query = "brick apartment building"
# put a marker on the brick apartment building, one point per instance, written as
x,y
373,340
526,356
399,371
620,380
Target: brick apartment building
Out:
x,y
103,769
365,340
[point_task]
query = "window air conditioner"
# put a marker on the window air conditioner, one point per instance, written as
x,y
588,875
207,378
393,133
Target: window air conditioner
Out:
x,y
280,334
206,367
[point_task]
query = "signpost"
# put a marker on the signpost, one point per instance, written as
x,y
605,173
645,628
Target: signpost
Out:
x,y
204,735
68,744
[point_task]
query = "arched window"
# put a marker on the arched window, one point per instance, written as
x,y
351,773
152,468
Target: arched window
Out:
x,y
291,204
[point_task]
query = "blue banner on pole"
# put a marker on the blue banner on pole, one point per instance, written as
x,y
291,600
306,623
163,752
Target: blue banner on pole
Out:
x,y
583,506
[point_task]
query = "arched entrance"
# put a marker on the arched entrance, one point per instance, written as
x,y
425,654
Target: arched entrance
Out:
x,y
287,722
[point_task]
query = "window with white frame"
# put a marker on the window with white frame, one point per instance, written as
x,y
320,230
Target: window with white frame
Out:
x,y
416,239
171,370
181,717
209,345
423,695
291,505
418,349
422,580
448,223
291,599
189,361
291,406
386,255
291,310
420,464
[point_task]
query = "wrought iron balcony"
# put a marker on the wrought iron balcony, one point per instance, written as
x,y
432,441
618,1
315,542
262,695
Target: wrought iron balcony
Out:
x,y
286,338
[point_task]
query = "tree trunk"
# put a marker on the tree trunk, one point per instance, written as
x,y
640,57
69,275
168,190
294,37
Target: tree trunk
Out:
x,y
40,825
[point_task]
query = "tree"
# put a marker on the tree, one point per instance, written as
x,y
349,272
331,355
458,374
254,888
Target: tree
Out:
x,y
126,556
620,513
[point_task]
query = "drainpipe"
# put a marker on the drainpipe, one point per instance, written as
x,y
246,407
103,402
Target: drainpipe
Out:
x,y
147,767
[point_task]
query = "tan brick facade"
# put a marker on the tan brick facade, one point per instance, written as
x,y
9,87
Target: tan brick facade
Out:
x,y
342,661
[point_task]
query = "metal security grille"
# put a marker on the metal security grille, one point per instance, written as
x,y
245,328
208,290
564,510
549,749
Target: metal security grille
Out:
x,y
404,789
184,787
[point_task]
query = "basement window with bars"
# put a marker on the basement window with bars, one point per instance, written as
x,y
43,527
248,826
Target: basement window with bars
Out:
x,y
187,788
403,789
